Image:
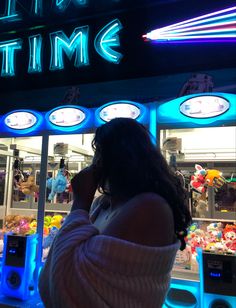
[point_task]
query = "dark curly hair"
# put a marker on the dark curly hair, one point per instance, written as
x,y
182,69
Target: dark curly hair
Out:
x,y
129,161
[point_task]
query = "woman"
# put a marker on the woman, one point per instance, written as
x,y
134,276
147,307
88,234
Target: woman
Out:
x,y
122,255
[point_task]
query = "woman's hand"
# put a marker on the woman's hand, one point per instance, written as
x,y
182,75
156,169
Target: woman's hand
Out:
x,y
84,185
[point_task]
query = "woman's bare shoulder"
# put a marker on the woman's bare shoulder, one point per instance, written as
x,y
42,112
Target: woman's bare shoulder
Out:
x,y
146,219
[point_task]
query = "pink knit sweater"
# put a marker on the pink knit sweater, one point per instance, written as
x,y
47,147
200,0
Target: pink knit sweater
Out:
x,y
88,270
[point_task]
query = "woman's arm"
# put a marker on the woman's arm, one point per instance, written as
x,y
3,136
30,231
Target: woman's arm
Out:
x,y
84,185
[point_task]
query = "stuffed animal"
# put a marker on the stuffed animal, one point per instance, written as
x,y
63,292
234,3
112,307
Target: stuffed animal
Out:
x,y
214,178
56,221
17,224
229,235
57,184
29,187
47,240
201,208
214,232
198,179
203,178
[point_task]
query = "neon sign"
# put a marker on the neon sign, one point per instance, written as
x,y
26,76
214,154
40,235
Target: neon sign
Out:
x,y
61,45
213,27
11,14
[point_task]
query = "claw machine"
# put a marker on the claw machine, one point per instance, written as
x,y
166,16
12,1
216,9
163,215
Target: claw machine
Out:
x,y
39,154
197,136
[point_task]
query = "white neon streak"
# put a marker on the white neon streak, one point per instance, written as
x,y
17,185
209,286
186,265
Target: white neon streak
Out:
x,y
196,32
201,27
10,44
202,17
101,42
9,7
172,27
7,51
8,16
194,37
58,3
34,53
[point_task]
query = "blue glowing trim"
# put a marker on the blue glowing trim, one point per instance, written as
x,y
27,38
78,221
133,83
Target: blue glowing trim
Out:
x,y
106,39
10,13
140,117
77,43
217,25
36,122
8,49
35,55
62,5
153,123
169,112
37,7
66,128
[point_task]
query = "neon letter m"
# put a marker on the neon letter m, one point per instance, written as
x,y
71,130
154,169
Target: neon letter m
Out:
x,y
77,44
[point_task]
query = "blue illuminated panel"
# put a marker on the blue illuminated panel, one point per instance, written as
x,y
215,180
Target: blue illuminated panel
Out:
x,y
120,109
204,106
67,118
170,112
22,121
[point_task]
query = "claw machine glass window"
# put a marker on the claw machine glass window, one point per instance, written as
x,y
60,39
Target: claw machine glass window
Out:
x,y
20,157
67,155
206,160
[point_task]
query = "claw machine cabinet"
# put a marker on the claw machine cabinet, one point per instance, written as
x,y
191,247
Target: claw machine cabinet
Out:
x,y
68,152
197,136
39,154
20,157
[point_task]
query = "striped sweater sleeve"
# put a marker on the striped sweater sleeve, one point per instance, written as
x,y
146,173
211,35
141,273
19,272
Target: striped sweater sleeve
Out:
x,y
58,268
85,269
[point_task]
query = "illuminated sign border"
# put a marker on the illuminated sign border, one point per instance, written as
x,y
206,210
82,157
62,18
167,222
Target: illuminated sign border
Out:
x,y
38,116
142,108
85,111
202,96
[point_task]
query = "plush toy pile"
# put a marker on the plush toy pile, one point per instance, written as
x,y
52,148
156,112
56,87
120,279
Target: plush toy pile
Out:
x,y
214,237
24,225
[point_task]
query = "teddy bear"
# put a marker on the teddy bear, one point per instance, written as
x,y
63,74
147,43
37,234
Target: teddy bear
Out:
x,y
29,187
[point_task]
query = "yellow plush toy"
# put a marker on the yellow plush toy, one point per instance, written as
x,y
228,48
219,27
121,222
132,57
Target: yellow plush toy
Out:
x,y
56,221
29,187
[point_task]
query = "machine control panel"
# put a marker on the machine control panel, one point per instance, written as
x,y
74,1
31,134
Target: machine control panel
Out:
x,y
219,273
15,253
